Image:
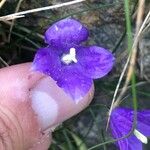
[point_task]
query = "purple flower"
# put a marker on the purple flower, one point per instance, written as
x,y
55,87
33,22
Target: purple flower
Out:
x,y
72,65
121,122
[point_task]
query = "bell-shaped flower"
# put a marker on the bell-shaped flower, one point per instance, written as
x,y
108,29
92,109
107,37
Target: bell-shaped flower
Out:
x,y
121,122
72,65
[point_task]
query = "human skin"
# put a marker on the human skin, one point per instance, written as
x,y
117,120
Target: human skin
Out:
x,y
31,104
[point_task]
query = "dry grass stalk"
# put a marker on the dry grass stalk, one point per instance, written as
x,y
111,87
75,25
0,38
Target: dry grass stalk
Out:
x,y
2,3
131,59
13,21
133,53
23,13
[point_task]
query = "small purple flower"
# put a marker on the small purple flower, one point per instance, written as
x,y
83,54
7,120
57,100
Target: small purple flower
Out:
x,y
72,65
121,122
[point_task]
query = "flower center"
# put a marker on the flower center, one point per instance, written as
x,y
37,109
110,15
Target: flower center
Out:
x,y
69,58
140,136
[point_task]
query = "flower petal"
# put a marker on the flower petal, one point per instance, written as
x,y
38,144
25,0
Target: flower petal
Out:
x,y
66,31
143,124
122,118
121,125
74,83
47,61
122,144
134,143
96,61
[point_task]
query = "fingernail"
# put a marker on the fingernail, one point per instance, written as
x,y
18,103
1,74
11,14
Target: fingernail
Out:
x,y
44,104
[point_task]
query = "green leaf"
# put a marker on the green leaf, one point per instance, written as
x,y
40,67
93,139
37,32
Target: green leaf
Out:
x,y
78,141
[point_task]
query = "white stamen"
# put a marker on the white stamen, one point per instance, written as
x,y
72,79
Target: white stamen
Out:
x,y
140,136
71,57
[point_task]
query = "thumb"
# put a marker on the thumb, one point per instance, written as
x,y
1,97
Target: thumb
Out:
x,y
30,104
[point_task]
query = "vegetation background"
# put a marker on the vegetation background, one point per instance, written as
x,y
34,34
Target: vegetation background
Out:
x,y
106,21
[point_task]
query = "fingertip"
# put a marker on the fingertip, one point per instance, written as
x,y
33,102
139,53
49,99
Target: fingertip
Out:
x,y
14,99
37,102
53,106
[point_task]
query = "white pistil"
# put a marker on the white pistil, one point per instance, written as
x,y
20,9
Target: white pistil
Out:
x,y
71,57
140,136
